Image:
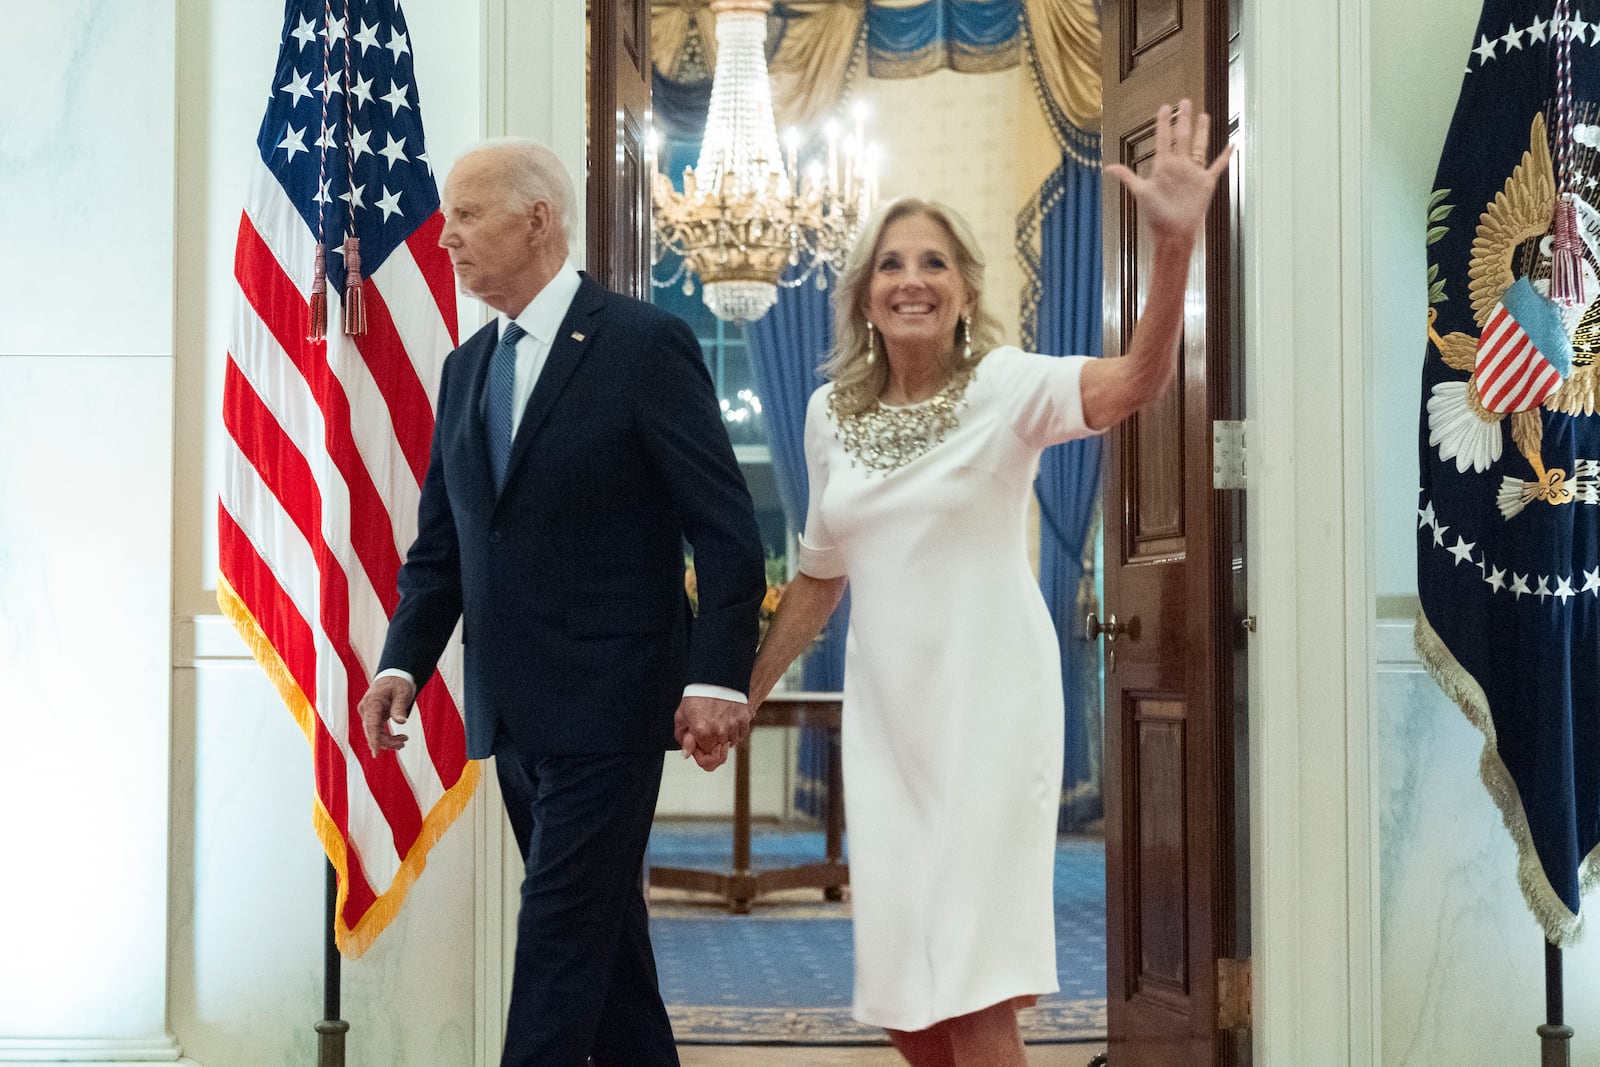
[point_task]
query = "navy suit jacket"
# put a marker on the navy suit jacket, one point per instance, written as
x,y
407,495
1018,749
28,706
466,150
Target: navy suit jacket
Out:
x,y
577,630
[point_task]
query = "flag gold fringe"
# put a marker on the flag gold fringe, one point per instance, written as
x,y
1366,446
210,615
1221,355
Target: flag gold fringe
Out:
x,y
352,942
1561,927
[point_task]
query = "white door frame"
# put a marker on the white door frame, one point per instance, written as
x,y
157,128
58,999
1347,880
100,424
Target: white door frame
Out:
x,y
1313,772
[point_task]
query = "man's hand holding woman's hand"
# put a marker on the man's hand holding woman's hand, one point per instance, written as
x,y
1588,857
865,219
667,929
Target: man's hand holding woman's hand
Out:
x,y
707,728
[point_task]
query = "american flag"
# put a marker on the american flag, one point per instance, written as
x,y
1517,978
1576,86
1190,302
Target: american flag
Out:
x,y
1520,355
329,438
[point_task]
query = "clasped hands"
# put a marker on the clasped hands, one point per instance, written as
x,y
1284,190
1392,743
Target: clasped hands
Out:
x,y
707,728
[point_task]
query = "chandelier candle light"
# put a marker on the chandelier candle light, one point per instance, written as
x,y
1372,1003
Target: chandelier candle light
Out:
x,y
745,214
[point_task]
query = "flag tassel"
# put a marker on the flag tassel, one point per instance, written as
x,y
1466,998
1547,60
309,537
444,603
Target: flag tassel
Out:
x,y
355,306
1566,258
317,328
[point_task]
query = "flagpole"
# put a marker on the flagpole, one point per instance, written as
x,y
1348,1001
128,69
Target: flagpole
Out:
x,y
331,1030
1554,1035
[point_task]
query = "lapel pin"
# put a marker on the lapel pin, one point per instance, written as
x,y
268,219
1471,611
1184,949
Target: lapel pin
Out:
x,y
576,336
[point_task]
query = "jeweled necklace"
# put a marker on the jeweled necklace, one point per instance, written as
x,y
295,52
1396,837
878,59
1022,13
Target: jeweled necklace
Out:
x,y
883,438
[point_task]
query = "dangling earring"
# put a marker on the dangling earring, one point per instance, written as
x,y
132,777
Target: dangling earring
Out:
x,y
871,343
966,330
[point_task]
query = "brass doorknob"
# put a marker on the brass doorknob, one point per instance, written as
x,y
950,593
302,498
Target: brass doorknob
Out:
x,y
1093,627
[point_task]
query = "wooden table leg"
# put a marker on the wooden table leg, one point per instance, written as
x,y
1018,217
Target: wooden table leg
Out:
x,y
740,885
834,811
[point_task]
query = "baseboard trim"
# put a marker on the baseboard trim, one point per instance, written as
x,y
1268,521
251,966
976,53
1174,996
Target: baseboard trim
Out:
x,y
92,1052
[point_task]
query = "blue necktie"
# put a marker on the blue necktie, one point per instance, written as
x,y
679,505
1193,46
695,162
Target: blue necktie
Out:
x,y
497,405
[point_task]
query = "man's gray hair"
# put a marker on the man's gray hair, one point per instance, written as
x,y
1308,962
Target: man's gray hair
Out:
x,y
533,173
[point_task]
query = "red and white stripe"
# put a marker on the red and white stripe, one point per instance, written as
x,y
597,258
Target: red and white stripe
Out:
x,y
328,448
1511,374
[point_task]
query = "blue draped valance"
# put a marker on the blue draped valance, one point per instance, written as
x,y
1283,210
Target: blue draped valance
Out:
x,y
815,49
971,36
680,107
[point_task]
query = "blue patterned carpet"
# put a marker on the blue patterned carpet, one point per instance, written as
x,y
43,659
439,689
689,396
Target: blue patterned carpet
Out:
x,y
783,973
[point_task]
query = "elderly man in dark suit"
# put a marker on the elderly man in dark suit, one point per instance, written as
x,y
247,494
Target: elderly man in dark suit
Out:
x,y
578,444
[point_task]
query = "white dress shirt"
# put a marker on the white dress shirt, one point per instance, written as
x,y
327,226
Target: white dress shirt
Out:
x,y
539,321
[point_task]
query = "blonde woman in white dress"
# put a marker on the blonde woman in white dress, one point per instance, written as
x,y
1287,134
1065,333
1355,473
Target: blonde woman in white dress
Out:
x,y
922,451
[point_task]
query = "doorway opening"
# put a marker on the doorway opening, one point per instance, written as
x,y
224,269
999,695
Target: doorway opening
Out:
x,y
965,138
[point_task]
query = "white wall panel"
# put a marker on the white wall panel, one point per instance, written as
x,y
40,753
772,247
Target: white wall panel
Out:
x,y
85,579
86,136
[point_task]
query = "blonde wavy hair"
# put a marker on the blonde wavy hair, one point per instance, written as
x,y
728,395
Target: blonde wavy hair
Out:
x,y
858,383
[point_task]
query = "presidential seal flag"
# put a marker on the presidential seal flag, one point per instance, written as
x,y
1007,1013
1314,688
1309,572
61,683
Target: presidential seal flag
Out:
x,y
1508,528
345,311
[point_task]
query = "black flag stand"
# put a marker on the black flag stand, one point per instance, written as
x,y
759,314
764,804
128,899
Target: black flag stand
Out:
x,y
1554,1035
331,1030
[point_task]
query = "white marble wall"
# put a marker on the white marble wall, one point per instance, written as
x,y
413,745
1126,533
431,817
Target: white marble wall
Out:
x,y
1463,960
86,102
85,515
85,510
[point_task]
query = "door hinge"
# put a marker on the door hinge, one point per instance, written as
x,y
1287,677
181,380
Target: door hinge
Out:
x,y
1233,994
1227,454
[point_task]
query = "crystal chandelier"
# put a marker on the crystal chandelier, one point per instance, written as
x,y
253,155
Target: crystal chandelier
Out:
x,y
745,214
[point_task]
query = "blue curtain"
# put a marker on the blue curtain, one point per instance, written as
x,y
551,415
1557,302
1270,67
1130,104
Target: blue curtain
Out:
x,y
1063,318
680,108
787,345
971,36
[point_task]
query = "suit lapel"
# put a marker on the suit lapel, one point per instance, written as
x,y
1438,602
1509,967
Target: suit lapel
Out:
x,y
475,354
572,340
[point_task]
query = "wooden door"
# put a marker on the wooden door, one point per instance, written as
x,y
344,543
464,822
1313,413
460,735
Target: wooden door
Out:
x,y
1171,539
619,109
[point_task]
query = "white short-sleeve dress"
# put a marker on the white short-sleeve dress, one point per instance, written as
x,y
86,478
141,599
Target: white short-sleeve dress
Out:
x,y
952,733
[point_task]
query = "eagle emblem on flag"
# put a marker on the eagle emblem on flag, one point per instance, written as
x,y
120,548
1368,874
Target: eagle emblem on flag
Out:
x,y
1522,357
